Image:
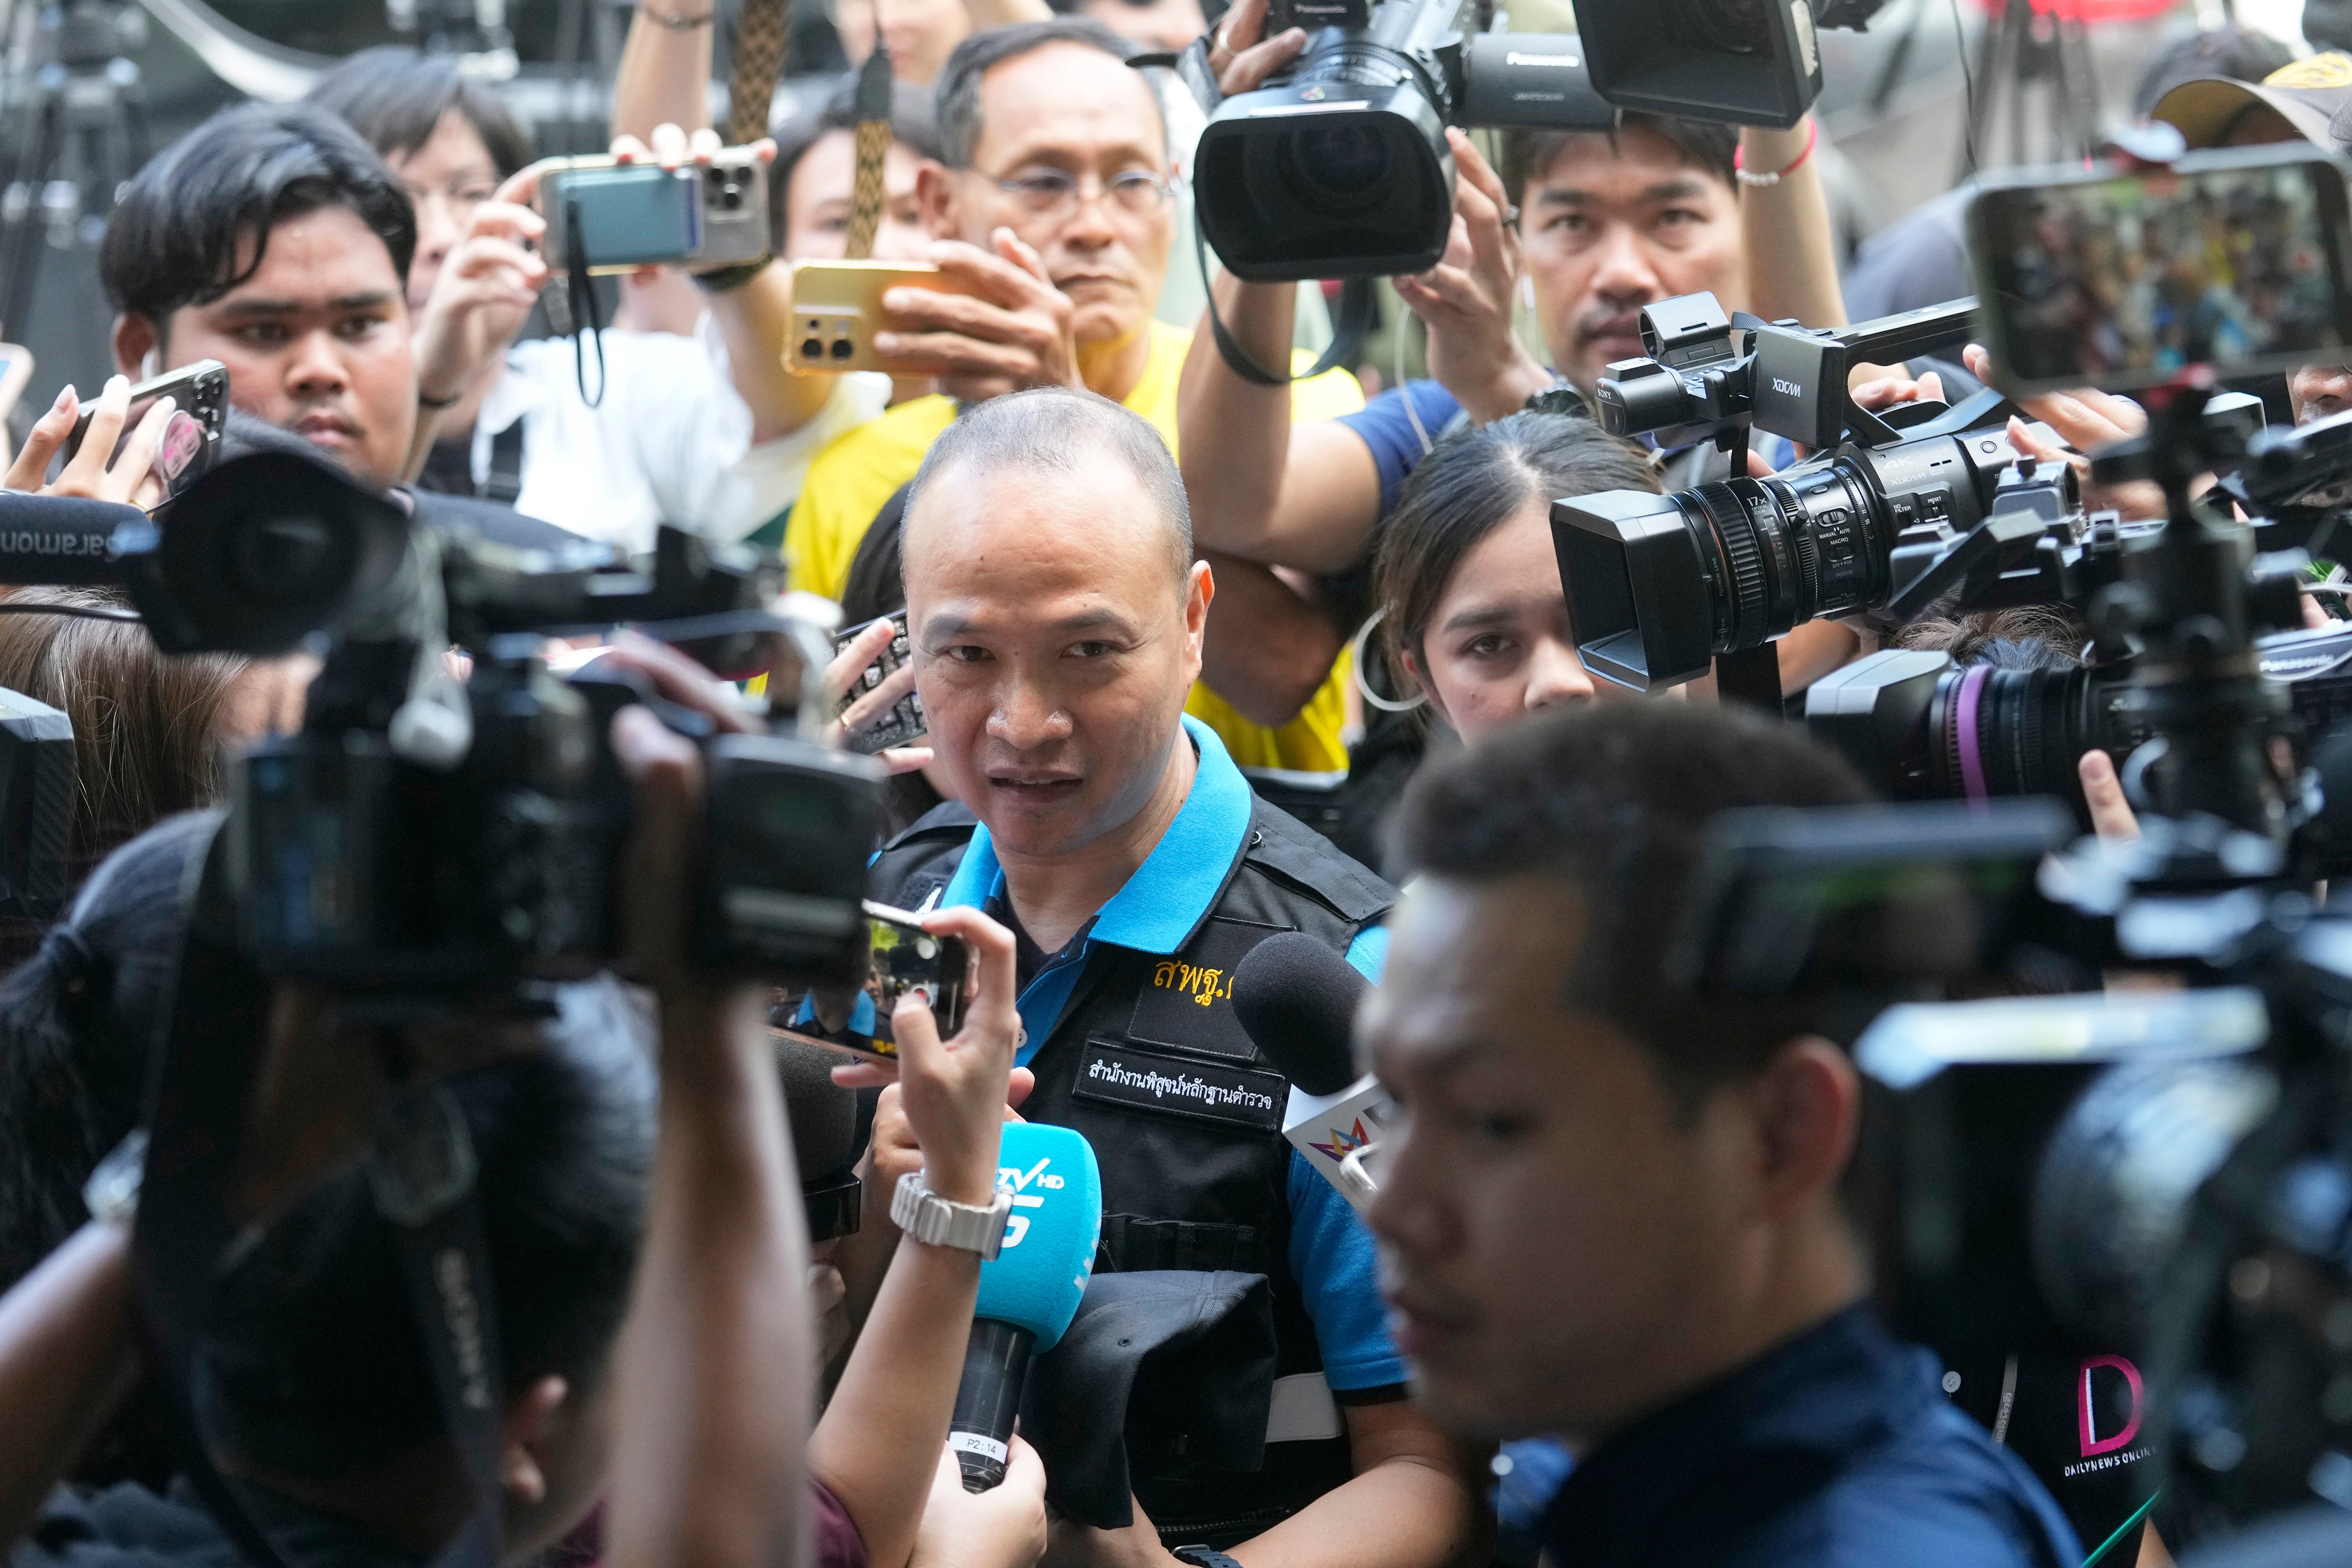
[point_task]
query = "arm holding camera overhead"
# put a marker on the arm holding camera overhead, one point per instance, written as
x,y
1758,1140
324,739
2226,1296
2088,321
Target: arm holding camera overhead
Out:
x,y
1306,496
665,79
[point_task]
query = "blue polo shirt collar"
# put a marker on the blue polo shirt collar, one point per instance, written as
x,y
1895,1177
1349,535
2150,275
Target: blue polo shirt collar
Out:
x,y
1162,904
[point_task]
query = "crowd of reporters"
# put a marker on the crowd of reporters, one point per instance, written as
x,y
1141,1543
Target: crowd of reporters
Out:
x,y
1200,658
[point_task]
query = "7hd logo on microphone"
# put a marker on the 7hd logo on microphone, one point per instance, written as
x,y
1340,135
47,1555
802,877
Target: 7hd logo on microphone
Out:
x,y
1054,1183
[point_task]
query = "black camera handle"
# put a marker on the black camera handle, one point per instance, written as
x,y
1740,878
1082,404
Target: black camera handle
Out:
x,y
184,1245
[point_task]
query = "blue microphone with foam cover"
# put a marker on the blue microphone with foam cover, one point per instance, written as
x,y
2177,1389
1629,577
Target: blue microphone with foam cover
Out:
x,y
1029,1292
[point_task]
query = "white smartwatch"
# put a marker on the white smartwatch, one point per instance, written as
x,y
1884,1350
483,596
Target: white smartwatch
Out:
x,y
922,1213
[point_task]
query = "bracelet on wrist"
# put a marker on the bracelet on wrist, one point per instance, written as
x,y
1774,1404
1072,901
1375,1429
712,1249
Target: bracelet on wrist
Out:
x,y
679,24
1739,169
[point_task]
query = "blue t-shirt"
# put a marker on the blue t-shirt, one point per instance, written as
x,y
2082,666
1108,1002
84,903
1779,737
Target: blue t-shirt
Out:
x,y
1386,425
1330,1251
1838,1450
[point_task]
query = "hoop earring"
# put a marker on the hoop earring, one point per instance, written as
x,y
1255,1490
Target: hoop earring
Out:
x,y
1364,687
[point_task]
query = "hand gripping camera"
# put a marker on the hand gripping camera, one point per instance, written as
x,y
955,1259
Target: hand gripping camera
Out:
x,y
419,837
1339,168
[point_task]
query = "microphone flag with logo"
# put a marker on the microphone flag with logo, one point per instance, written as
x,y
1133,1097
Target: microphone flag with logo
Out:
x,y
1297,998
1029,1292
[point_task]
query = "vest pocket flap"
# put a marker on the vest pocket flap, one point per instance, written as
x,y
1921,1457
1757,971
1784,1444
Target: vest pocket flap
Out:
x,y
1184,1002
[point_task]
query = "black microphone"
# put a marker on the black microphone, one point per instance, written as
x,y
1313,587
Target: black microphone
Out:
x,y
824,1119
64,540
1296,998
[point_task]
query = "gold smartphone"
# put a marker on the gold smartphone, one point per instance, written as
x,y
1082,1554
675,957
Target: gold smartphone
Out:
x,y
837,309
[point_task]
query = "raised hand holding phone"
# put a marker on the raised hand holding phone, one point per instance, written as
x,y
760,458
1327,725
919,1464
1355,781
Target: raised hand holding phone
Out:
x,y
953,1090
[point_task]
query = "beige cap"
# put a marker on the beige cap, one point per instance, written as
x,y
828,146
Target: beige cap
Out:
x,y
2309,94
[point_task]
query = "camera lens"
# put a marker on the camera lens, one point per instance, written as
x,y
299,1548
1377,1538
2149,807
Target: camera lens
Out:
x,y
1339,168
1783,549
1994,731
287,556
1739,26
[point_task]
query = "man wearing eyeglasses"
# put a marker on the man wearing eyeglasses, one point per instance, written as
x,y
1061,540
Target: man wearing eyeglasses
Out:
x,y
1053,215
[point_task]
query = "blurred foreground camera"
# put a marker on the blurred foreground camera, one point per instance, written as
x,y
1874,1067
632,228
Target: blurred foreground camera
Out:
x,y
1340,168
1919,726
418,837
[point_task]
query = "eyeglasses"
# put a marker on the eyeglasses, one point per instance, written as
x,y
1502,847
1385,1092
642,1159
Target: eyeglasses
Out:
x,y
1055,193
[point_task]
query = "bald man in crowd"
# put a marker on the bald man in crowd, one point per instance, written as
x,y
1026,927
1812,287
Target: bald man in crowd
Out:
x,y
1056,614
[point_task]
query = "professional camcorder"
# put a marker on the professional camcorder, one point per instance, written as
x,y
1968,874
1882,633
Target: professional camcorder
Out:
x,y
2145,1188
1749,62
418,835
1339,168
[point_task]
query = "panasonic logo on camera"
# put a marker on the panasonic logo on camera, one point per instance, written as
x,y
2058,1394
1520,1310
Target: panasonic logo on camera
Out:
x,y
1513,57
1788,388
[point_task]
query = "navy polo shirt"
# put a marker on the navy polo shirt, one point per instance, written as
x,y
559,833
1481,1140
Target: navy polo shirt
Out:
x,y
1838,1450
1156,912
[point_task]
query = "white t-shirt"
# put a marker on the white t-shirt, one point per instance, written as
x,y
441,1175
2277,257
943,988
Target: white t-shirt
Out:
x,y
669,442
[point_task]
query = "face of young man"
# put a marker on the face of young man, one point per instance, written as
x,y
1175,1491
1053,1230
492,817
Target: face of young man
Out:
x,y
1554,1238
1055,640
1074,131
1607,230
316,342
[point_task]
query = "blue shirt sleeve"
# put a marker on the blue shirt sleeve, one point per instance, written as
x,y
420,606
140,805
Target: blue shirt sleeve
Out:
x,y
1386,427
1332,1260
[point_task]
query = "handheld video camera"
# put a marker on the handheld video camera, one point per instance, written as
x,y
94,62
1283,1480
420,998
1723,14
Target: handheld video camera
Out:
x,y
419,837
1339,168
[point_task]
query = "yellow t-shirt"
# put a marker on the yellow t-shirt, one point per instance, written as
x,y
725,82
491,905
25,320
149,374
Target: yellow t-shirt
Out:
x,y
853,478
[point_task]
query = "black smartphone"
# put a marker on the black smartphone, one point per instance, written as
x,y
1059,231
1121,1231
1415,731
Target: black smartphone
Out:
x,y
192,443
2233,260
903,724
901,958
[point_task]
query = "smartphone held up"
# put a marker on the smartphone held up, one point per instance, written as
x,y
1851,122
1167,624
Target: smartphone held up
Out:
x,y
2120,279
191,442
837,309
902,959
619,216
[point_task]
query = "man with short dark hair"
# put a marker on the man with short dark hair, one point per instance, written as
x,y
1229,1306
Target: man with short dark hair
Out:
x,y
1056,618
1612,1210
273,239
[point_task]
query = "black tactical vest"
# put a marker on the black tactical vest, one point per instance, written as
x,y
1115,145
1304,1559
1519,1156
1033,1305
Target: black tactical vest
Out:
x,y
1149,1062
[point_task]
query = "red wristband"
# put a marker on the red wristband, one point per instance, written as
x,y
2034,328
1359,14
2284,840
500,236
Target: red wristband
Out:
x,y
1738,168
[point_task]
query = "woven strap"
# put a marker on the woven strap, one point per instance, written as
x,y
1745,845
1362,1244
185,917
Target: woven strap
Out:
x,y
759,61
873,149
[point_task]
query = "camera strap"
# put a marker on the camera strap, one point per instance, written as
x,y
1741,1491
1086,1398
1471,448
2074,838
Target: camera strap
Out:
x,y
587,315
1350,328
184,1243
